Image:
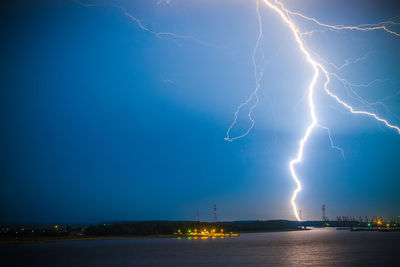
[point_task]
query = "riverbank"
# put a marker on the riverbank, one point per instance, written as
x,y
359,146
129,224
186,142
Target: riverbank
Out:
x,y
73,238
46,239
137,229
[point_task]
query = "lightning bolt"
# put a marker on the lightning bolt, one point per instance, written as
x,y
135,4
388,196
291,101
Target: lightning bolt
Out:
x,y
284,13
331,140
156,34
258,75
347,62
318,67
363,27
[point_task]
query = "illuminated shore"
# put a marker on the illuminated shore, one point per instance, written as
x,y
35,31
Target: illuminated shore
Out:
x,y
204,234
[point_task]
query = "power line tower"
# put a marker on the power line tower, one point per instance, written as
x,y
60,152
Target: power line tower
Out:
x,y
324,219
215,212
197,215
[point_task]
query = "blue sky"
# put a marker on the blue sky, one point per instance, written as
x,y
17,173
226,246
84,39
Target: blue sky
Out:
x,y
103,121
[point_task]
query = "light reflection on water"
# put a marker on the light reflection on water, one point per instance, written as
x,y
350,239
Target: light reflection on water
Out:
x,y
318,247
202,237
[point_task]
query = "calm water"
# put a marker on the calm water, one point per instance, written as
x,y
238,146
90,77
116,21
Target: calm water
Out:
x,y
318,247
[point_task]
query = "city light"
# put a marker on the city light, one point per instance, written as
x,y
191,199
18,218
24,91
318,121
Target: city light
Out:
x,y
213,233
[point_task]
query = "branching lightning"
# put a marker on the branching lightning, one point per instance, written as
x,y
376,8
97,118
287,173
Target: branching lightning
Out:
x,y
348,62
331,140
258,75
363,27
156,34
284,13
354,111
318,69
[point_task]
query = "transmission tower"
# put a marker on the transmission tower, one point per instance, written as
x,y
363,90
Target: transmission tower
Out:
x,y
215,212
324,219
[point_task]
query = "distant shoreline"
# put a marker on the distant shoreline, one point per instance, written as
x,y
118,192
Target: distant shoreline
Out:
x,y
24,240
74,238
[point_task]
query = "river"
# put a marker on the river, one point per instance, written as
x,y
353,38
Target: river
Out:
x,y
317,247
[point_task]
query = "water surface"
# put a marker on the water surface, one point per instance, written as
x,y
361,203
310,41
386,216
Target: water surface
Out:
x,y
318,247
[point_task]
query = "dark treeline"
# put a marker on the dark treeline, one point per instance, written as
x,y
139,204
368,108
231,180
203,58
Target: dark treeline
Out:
x,y
349,221
39,231
147,228
259,226
169,227
155,228
142,228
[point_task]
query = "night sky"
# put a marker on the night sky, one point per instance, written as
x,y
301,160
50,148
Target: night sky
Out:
x,y
103,121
